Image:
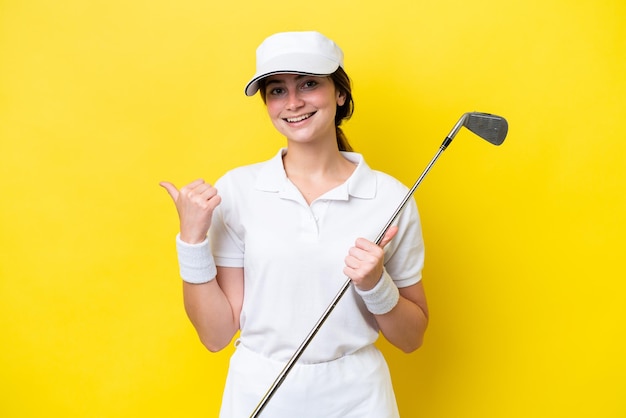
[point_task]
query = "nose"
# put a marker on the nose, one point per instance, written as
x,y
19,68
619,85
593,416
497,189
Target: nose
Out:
x,y
294,100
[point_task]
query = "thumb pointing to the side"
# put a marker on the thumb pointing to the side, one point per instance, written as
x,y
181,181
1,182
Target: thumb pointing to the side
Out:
x,y
171,190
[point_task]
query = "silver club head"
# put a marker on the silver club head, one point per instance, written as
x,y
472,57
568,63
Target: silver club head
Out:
x,y
489,127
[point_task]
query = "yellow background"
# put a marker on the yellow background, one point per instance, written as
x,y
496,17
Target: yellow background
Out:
x,y
100,100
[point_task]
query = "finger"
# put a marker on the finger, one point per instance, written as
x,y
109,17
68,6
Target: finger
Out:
x,y
366,250
205,191
192,188
205,196
197,185
391,232
210,203
171,189
362,250
351,262
199,190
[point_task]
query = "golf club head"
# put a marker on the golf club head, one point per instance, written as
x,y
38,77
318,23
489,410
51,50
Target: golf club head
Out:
x,y
491,128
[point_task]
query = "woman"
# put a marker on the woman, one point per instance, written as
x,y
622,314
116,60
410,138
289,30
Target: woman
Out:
x,y
280,235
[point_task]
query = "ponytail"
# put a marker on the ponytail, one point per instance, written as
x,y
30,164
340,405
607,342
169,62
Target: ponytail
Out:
x,y
342,83
342,141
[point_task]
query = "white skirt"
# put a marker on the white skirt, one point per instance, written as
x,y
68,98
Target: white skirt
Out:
x,y
354,386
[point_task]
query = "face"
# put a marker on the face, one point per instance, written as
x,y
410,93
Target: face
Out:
x,y
303,107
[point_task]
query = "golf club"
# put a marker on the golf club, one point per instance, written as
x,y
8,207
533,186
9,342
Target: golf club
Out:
x,y
491,128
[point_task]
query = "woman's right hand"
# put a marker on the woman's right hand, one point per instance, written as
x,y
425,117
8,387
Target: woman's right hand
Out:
x,y
195,204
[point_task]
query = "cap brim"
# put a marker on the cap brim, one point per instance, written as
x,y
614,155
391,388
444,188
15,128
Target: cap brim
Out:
x,y
253,86
305,64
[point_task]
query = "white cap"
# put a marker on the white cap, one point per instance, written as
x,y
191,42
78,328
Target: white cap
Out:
x,y
295,53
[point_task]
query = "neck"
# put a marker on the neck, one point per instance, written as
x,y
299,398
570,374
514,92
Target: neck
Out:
x,y
315,170
312,159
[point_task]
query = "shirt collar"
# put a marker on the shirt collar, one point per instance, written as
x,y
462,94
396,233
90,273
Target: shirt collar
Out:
x,y
361,184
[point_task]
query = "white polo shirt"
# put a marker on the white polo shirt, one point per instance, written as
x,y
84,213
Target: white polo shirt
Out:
x,y
293,255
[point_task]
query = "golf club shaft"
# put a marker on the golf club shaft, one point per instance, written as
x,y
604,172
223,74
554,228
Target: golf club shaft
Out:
x,y
298,353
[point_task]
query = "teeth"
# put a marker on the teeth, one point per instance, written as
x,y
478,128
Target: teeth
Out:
x,y
299,118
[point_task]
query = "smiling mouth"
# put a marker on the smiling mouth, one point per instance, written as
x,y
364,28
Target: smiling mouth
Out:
x,y
299,118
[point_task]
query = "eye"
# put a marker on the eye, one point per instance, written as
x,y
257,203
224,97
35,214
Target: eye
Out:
x,y
276,91
309,84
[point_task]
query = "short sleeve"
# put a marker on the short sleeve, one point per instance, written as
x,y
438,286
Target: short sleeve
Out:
x,y
226,242
404,255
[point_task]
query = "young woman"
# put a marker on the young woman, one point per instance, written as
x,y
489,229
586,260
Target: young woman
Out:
x,y
267,254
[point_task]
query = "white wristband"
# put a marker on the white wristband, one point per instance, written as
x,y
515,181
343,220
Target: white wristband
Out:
x,y
195,261
381,298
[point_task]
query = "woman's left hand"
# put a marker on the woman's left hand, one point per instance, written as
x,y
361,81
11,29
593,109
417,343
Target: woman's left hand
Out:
x,y
364,263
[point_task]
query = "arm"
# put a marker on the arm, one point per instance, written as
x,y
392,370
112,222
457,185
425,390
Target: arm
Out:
x,y
404,326
213,304
214,307
405,323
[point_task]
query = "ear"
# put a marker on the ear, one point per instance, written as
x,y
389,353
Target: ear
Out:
x,y
341,98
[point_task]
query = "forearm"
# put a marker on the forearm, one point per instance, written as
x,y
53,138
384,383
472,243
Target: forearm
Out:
x,y
211,314
212,295
404,326
401,314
